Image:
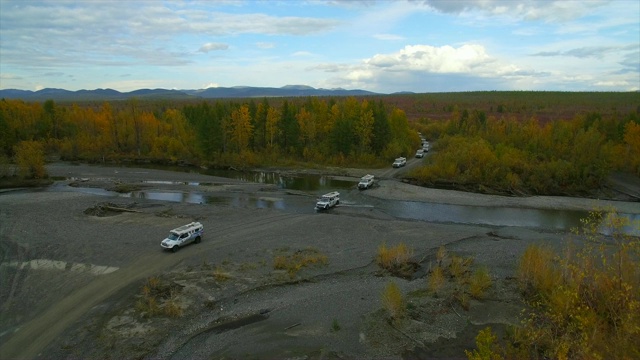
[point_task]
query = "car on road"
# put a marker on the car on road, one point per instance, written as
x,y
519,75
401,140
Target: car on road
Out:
x,y
365,182
420,153
400,162
183,235
327,201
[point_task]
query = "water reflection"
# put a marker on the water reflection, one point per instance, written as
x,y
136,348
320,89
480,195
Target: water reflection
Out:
x,y
498,216
173,196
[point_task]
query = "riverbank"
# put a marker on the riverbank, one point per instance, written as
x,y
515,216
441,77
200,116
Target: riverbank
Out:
x,y
73,282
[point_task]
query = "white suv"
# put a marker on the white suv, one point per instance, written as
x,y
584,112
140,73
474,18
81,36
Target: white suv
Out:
x,y
182,236
399,162
328,200
365,182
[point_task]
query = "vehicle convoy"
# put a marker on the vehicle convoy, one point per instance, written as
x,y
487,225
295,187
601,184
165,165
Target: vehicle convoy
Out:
x,y
399,162
420,153
365,182
328,200
186,234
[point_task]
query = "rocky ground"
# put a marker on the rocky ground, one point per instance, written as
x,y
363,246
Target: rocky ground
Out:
x,y
79,279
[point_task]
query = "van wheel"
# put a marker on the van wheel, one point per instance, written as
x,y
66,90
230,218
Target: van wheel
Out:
x,y
337,202
175,248
198,240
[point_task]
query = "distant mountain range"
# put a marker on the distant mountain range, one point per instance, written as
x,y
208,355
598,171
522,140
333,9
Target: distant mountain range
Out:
x,y
209,93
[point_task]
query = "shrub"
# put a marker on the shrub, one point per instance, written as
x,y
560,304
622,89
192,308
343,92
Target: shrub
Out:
x,y
394,302
486,347
394,258
436,280
171,308
537,271
480,281
459,267
587,304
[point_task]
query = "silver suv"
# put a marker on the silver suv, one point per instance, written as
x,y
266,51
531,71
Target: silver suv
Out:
x,y
186,234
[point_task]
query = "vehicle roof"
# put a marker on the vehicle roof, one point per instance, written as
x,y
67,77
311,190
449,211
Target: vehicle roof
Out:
x,y
331,194
185,228
367,177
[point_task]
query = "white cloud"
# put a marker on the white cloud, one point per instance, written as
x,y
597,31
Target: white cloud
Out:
x,y
388,37
547,10
302,53
265,45
445,59
213,47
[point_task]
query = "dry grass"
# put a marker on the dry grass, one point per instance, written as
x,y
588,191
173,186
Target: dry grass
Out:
x,y
394,302
302,258
158,298
220,275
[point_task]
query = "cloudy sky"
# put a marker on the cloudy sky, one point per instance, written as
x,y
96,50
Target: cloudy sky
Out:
x,y
383,46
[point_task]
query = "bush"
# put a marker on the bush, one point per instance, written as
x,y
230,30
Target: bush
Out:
x,y
480,281
486,347
396,259
394,302
436,280
585,305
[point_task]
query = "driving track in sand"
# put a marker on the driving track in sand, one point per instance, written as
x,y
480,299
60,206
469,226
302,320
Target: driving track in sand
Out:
x,y
35,335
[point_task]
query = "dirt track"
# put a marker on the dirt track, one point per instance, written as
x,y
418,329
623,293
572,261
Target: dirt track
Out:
x,y
54,311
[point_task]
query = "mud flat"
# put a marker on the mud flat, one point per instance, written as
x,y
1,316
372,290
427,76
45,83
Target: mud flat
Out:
x,y
73,279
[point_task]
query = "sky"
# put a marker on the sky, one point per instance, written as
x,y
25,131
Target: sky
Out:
x,y
382,46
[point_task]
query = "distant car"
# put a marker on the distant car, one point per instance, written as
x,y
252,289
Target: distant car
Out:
x,y
425,148
328,200
179,237
420,153
365,182
399,162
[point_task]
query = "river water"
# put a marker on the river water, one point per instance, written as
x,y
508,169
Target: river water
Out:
x,y
563,220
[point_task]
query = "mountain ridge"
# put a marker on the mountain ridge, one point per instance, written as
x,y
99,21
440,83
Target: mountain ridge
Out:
x,y
57,94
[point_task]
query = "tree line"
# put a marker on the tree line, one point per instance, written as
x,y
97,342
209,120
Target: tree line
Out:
x,y
505,154
319,130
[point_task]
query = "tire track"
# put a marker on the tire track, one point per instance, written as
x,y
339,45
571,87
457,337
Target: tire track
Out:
x,y
36,334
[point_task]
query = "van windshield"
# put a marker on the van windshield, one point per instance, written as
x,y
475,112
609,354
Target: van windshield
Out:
x,y
173,236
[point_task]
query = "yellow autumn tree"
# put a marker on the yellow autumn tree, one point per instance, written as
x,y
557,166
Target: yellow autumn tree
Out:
x,y
632,140
241,128
29,157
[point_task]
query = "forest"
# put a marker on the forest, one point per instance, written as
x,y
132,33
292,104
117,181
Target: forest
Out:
x,y
504,142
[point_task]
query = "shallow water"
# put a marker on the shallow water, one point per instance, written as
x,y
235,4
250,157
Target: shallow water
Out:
x,y
315,184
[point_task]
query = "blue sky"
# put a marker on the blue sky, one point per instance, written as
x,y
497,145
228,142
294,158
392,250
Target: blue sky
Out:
x,y
381,46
